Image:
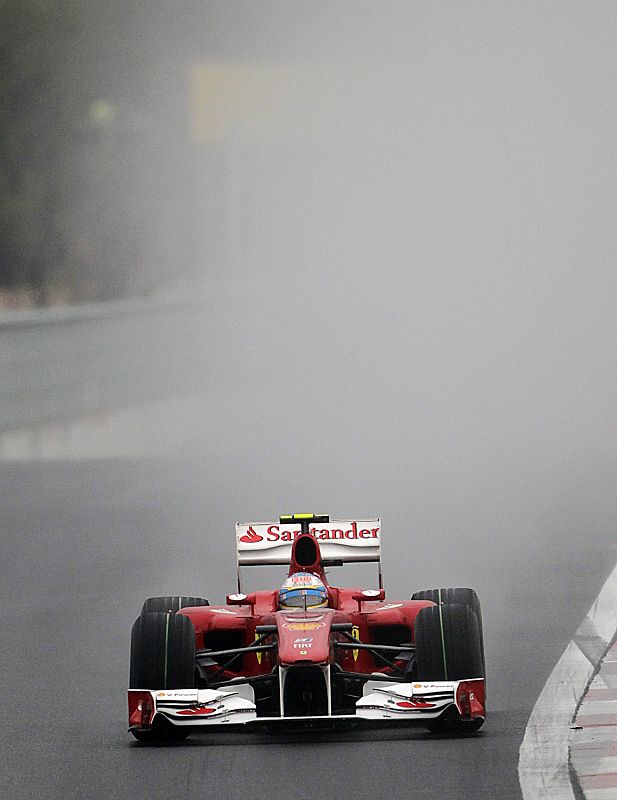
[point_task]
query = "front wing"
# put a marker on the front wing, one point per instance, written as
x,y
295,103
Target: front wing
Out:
x,y
396,702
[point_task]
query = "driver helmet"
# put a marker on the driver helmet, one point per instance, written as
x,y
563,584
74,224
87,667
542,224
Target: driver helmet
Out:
x,y
303,590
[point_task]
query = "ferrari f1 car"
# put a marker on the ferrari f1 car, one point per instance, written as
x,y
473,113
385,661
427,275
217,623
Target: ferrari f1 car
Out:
x,y
308,654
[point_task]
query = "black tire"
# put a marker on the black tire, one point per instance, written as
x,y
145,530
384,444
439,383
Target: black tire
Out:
x,y
162,733
450,723
456,596
448,644
171,603
162,652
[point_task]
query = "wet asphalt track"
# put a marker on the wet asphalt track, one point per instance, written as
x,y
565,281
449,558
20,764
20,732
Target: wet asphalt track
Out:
x,y
83,544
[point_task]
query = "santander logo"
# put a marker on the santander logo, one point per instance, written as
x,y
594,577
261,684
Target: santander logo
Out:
x,y
336,536
350,533
251,537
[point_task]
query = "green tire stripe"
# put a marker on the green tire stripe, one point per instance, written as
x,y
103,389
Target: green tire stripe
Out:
x,y
443,639
166,644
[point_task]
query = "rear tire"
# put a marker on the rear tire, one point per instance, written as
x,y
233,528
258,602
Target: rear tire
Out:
x,y
171,603
162,652
448,644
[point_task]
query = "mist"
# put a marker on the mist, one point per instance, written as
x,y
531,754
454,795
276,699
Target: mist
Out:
x,y
336,257
401,218
410,257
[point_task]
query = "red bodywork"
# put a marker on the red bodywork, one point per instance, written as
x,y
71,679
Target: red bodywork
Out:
x,y
314,663
220,627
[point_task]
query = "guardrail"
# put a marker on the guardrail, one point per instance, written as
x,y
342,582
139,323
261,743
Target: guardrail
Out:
x,y
64,364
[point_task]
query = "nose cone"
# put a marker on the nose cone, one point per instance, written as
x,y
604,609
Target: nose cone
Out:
x,y
304,637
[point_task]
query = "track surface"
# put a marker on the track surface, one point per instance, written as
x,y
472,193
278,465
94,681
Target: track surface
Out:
x,y
83,544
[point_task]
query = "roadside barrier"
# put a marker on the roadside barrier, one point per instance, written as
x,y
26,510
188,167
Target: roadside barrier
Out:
x,y
64,364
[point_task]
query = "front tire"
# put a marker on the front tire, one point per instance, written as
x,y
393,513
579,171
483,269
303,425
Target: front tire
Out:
x,y
456,596
449,648
162,652
160,734
448,645
451,723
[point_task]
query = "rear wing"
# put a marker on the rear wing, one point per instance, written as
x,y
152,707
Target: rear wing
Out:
x,y
340,540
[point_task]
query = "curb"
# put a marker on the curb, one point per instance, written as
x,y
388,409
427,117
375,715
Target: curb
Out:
x,y
544,756
593,740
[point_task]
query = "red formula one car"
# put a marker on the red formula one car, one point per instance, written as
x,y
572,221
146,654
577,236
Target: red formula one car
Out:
x,y
307,654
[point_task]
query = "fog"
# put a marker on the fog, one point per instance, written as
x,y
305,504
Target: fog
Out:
x,y
408,245
402,216
373,250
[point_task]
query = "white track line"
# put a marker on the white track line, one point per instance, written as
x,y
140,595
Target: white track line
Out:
x,y
543,767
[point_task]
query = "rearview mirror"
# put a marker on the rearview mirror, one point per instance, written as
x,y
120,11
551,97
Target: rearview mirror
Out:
x,y
368,595
239,599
